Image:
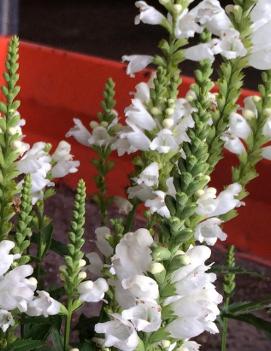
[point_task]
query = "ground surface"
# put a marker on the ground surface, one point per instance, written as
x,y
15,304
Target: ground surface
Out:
x,y
241,336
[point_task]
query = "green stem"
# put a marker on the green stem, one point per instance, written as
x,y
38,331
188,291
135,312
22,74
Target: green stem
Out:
x,y
68,326
225,323
130,218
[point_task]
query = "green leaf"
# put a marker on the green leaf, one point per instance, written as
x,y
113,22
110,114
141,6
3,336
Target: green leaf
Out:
x,y
57,340
248,307
26,345
257,322
46,234
40,327
88,346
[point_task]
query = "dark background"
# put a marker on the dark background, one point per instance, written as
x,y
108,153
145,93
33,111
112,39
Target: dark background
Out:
x,y
102,28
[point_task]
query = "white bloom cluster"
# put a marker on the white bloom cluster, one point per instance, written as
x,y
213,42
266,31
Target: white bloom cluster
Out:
x,y
210,15
196,300
207,14
17,290
136,293
42,166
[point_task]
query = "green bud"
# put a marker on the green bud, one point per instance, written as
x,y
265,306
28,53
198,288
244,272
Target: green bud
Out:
x,y
161,254
178,262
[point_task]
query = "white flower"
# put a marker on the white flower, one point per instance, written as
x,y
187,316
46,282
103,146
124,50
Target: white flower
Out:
x,y
209,231
123,297
136,63
211,206
64,161
171,190
102,233
6,320
6,258
266,152
142,92
131,139
100,136
123,205
239,127
133,254
150,175
189,346
148,14
95,263
142,192
16,290
186,25
195,306
250,109
233,144
230,45
164,142
212,16
118,333
138,115
79,132
144,316
43,305
142,287
205,51
261,30
35,160
92,291
157,205
196,256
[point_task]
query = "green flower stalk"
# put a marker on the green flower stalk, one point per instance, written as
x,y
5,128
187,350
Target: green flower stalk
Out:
x,y
228,287
74,262
23,230
103,164
8,153
230,81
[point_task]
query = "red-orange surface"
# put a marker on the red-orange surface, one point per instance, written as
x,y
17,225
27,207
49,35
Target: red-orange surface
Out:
x,y
57,86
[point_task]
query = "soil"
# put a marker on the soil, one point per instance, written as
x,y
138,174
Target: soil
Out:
x,y
242,337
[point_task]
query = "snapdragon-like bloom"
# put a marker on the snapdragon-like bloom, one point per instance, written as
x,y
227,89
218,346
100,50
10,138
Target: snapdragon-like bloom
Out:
x,y
43,305
16,290
79,132
260,57
6,320
195,306
143,288
38,163
93,291
63,160
133,254
189,346
123,205
149,176
209,231
102,234
136,63
210,205
118,333
6,257
144,316
148,14
95,264
157,204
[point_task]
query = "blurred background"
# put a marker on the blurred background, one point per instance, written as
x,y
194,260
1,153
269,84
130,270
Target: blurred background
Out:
x,y
96,27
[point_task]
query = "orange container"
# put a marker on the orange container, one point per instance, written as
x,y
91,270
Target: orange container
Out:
x,y
57,86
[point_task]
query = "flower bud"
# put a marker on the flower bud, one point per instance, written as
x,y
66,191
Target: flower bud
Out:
x,y
257,99
267,112
82,275
74,349
178,262
169,111
248,114
157,268
165,344
155,111
94,124
82,263
168,123
161,254
178,8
